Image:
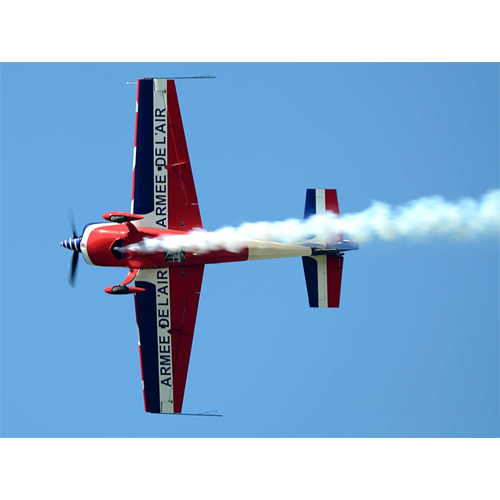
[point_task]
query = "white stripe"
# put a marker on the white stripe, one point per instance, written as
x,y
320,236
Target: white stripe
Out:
x,y
166,393
158,218
160,85
160,150
322,283
320,202
260,250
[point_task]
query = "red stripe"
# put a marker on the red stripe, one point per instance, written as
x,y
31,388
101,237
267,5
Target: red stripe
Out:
x,y
183,210
133,183
142,378
331,201
185,285
136,112
140,357
334,267
332,205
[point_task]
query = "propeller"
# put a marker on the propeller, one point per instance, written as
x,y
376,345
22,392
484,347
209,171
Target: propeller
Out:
x,y
72,269
71,218
74,245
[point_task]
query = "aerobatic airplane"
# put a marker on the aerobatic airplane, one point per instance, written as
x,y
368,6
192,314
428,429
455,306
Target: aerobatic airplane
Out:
x,y
166,285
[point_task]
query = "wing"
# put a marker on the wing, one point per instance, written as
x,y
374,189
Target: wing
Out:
x,y
163,189
166,317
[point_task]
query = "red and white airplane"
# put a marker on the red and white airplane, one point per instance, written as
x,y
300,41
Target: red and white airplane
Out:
x,y
166,284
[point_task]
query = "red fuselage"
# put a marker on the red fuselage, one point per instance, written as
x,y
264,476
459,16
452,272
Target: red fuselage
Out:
x,y
102,244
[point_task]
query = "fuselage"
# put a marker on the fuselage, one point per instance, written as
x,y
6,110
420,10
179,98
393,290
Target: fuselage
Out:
x,y
106,244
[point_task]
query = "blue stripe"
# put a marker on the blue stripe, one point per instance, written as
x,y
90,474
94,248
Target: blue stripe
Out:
x,y
146,319
311,274
310,203
144,171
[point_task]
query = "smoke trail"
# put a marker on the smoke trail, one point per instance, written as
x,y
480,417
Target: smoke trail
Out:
x,y
426,217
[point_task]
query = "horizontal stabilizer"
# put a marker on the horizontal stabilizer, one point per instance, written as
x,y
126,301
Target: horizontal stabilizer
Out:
x,y
323,279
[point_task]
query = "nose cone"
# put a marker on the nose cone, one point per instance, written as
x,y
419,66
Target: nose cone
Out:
x,y
72,244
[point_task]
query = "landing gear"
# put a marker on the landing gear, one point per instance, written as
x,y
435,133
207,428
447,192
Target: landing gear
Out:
x,y
122,288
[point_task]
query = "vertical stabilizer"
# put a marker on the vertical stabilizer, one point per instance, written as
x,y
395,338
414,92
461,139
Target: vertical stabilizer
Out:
x,y
318,202
323,272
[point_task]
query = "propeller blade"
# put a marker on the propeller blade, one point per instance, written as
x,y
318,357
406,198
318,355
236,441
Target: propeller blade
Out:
x,y
72,269
71,219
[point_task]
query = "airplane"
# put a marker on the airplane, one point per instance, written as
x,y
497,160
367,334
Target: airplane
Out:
x,y
166,285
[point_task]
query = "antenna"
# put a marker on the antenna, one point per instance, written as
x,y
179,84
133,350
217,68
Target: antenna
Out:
x,y
212,413
176,78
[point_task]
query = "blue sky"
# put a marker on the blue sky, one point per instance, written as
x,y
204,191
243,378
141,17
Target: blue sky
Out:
x,y
413,349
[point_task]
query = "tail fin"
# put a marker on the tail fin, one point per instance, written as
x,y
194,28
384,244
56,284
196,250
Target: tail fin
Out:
x,y
318,202
323,272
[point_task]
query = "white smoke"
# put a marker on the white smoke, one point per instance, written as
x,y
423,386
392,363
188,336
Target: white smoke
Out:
x,y
423,218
